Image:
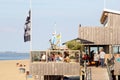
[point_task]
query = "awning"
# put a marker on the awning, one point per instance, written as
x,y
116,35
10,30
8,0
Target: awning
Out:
x,y
82,41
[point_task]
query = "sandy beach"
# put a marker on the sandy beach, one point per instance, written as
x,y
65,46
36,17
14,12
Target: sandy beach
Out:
x,y
10,71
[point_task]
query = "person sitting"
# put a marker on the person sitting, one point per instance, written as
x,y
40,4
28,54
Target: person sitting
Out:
x,y
58,57
43,58
66,57
51,57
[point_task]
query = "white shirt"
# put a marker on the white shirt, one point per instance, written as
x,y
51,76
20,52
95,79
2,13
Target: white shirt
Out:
x,y
102,55
43,57
96,57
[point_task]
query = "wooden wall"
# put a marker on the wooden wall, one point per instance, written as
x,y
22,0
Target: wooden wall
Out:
x,y
54,68
103,35
40,69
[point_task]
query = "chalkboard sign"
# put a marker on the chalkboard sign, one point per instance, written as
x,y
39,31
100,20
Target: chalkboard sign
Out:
x,y
117,66
117,59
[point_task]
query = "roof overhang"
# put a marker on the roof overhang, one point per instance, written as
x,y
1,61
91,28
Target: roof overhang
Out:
x,y
82,41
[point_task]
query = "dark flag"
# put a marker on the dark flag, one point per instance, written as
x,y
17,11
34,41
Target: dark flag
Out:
x,y
27,29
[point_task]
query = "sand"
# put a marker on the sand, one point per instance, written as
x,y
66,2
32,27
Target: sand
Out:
x,y
10,71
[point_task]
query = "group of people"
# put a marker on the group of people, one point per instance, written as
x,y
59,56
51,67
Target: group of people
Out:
x,y
99,58
56,56
53,57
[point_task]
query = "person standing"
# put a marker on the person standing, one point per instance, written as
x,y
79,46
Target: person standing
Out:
x,y
102,57
96,59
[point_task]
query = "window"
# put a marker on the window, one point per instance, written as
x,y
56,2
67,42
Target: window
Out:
x,y
116,49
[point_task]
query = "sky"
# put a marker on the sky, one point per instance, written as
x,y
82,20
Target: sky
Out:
x,y
66,14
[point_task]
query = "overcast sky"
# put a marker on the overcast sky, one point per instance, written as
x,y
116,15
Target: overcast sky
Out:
x,y
67,14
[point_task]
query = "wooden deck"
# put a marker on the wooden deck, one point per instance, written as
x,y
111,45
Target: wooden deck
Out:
x,y
43,69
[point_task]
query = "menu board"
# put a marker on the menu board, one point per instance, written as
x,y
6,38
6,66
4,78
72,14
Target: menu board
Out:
x,y
117,66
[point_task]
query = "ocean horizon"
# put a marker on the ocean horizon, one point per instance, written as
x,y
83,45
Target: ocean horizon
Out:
x,y
14,56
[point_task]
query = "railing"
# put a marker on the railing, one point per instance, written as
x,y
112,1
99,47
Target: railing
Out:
x,y
54,62
109,68
55,56
88,74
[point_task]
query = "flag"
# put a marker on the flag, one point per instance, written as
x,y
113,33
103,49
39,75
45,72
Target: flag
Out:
x,y
53,40
27,29
58,39
58,36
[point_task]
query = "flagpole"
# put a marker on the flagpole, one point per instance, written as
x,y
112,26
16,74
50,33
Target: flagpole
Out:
x,y
60,39
31,29
31,24
55,28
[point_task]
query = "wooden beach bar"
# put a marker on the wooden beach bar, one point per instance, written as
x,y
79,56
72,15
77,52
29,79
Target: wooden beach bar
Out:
x,y
106,36
93,38
44,67
51,69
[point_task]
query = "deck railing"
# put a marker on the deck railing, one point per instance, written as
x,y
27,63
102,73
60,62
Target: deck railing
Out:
x,y
88,74
109,68
55,56
50,65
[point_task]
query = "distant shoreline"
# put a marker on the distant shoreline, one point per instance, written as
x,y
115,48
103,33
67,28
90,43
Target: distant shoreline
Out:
x,y
14,56
12,59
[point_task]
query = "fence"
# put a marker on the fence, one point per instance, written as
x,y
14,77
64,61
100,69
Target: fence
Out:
x,y
88,74
110,65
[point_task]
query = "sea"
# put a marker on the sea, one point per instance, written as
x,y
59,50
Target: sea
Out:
x,y
14,56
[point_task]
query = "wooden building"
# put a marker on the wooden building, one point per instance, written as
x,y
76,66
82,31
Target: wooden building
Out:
x,y
92,37
106,36
49,69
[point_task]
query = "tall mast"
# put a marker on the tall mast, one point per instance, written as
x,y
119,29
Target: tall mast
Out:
x,y
30,5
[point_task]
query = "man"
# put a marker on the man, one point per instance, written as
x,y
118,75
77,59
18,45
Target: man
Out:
x,y
102,57
96,58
